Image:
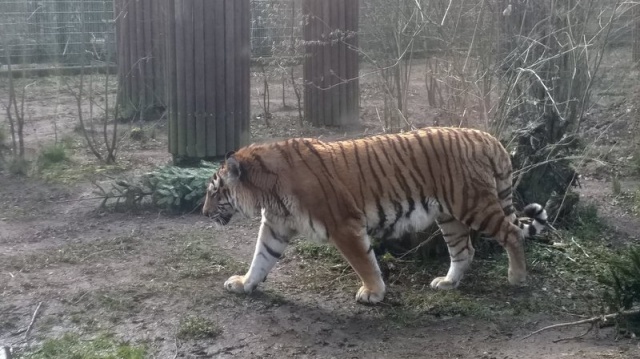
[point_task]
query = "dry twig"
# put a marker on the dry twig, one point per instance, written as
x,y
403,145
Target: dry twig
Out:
x,y
593,321
33,319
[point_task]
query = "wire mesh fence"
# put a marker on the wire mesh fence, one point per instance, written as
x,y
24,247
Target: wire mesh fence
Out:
x,y
69,32
60,33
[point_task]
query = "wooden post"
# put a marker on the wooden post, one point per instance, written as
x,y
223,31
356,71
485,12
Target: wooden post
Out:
x,y
331,67
140,45
207,52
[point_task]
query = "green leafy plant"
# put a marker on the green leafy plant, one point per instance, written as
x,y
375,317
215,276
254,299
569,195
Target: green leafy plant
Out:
x,y
170,187
179,188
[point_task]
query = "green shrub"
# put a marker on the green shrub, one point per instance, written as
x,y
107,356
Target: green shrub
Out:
x,y
623,280
585,223
137,134
622,289
52,154
18,166
635,162
3,137
179,188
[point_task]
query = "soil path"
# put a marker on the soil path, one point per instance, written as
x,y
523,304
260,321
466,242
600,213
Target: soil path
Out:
x,y
140,274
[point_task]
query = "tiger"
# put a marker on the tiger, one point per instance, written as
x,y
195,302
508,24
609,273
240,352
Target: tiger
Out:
x,y
349,192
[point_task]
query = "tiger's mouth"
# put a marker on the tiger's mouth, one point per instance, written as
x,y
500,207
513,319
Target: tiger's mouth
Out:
x,y
222,218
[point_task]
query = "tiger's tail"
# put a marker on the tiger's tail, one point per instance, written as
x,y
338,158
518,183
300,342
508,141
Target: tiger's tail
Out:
x,y
539,220
504,181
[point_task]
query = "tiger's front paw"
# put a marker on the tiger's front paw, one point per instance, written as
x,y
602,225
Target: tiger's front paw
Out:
x,y
517,277
235,284
368,296
443,283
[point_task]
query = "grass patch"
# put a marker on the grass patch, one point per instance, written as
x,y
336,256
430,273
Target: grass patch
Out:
x,y
18,166
629,199
312,250
69,172
196,257
635,203
562,278
72,346
116,301
72,254
416,302
586,224
322,268
198,328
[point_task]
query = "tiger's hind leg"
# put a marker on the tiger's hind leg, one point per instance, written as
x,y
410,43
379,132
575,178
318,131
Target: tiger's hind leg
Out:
x,y
456,235
497,224
355,247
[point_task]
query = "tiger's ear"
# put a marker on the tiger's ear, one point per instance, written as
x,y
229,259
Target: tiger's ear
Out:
x,y
233,167
226,157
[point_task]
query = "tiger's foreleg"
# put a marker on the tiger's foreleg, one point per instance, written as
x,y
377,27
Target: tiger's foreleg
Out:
x,y
456,235
356,248
272,242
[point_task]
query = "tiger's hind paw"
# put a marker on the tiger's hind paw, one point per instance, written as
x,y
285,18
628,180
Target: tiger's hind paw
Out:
x,y
367,296
235,284
443,283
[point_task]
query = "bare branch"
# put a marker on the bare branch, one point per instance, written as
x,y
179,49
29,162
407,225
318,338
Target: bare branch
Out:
x,y
592,321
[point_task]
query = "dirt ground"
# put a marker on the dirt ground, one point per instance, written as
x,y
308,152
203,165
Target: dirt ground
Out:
x,y
143,273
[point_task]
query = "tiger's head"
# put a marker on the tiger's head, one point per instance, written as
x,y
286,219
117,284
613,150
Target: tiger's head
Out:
x,y
220,201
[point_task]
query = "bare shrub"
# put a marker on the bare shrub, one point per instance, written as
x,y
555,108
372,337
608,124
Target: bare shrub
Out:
x,y
14,110
85,91
392,30
552,52
280,52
